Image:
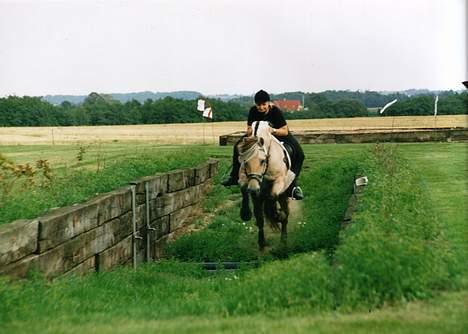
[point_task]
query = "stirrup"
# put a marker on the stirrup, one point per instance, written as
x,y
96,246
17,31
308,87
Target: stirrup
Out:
x,y
297,193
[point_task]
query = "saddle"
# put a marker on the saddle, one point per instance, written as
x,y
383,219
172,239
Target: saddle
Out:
x,y
288,152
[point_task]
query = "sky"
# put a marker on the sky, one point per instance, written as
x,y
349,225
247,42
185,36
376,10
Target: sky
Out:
x,y
231,46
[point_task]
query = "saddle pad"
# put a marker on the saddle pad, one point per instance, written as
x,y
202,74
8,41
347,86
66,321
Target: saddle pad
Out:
x,y
285,151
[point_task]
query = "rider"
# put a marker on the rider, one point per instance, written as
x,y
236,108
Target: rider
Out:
x,y
265,110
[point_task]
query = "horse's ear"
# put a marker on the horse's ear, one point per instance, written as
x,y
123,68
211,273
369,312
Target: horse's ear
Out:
x,y
261,141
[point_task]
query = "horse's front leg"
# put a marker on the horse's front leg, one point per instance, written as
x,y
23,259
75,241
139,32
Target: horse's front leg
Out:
x,y
245,212
258,212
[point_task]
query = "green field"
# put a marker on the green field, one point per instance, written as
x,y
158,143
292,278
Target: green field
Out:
x,y
171,298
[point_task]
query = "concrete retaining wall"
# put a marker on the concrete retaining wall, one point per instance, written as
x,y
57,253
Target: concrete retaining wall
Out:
x,y
98,234
368,136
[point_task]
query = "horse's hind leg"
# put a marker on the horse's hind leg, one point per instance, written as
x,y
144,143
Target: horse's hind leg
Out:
x,y
283,201
245,212
258,212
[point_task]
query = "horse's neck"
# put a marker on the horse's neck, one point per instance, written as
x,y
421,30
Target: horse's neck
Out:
x,y
267,141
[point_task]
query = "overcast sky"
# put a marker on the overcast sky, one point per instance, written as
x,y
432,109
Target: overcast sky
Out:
x,y
230,46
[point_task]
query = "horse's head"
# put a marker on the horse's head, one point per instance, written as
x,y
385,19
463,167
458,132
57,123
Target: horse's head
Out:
x,y
253,156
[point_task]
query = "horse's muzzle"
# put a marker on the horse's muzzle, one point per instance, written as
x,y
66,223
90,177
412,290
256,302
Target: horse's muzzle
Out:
x,y
253,187
254,191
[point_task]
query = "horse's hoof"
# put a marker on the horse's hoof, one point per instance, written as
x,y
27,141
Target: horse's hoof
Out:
x,y
246,215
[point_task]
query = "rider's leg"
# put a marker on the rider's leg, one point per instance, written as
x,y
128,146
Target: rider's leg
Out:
x,y
233,177
298,159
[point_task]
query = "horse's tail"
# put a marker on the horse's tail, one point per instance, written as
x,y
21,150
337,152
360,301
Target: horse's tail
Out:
x,y
270,213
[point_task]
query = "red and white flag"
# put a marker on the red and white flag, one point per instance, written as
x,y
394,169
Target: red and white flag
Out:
x,y
208,113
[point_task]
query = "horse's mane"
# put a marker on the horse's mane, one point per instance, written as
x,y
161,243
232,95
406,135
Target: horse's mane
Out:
x,y
261,128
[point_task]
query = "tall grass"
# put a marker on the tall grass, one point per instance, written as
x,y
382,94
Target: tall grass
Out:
x,y
227,238
328,190
75,185
395,249
169,290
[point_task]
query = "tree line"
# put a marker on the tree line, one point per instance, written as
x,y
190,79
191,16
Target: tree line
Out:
x,y
101,109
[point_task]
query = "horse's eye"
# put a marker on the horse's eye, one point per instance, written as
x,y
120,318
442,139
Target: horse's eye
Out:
x,y
262,162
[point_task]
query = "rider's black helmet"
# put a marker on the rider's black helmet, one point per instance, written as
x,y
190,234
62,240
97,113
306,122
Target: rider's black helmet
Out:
x,y
261,97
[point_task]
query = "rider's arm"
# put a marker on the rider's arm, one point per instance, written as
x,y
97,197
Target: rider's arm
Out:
x,y
249,131
281,132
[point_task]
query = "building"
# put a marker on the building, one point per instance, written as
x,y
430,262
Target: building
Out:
x,y
289,105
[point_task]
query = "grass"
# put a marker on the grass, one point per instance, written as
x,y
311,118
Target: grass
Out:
x,y
395,249
444,170
297,295
443,314
329,187
316,227
89,176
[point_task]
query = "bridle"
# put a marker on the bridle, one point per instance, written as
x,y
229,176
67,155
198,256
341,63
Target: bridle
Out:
x,y
248,155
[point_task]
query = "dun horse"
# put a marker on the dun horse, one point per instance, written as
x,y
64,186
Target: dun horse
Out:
x,y
264,174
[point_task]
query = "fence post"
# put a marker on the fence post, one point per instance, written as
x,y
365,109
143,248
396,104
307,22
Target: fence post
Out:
x,y
149,229
135,232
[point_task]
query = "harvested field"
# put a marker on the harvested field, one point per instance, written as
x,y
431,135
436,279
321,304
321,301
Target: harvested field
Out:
x,y
206,133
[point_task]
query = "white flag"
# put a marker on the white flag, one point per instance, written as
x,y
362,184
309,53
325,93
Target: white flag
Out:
x,y
435,105
207,113
388,105
201,105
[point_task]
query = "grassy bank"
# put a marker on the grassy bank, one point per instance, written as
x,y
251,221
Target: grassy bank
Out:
x,y
403,246
315,227
28,190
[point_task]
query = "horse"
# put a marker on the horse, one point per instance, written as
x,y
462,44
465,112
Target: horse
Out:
x,y
265,175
